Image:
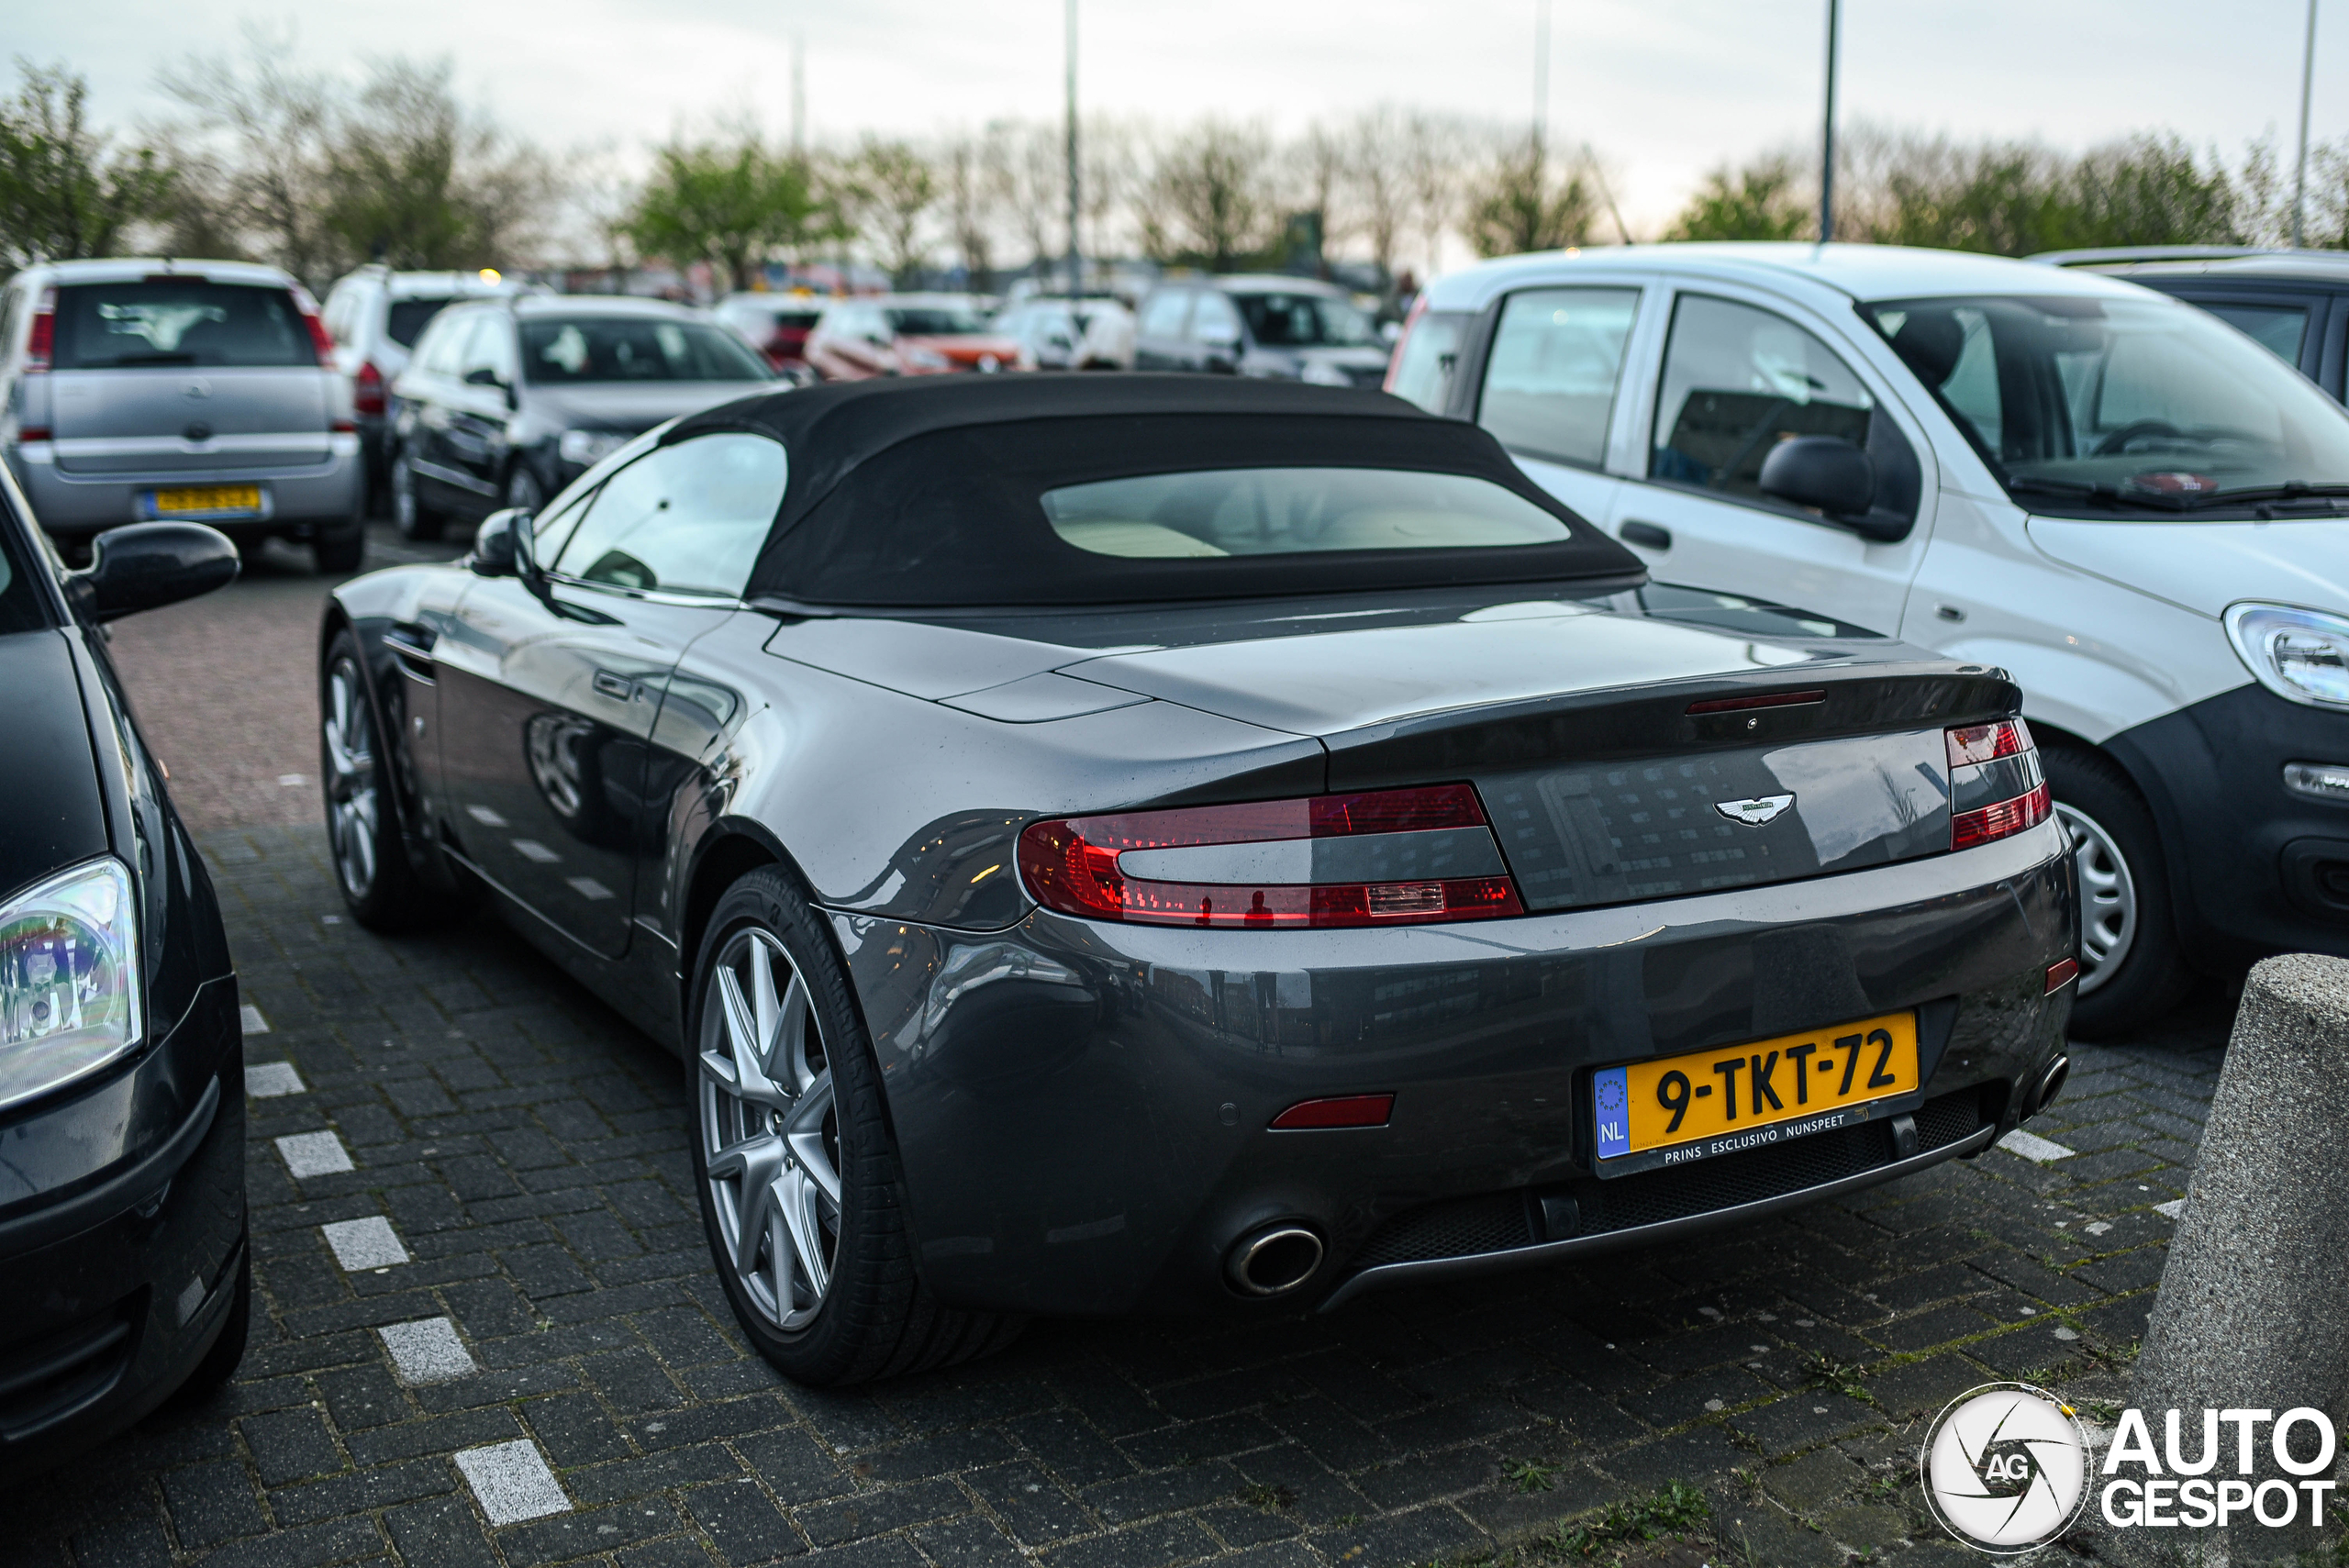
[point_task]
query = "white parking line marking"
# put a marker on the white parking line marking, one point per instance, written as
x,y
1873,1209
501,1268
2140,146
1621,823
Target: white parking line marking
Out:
x,y
268,1080
2033,1148
427,1351
313,1154
251,1016
2173,1208
369,1243
291,781
512,1482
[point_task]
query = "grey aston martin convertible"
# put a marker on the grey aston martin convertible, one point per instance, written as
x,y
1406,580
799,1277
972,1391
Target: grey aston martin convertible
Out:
x,y
1108,844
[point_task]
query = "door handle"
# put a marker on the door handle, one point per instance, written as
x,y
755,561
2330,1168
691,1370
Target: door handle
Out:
x,y
616,687
1647,536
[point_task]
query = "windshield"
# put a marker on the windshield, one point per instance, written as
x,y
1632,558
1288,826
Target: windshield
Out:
x,y
621,348
1292,511
407,317
1305,321
935,321
2103,404
178,322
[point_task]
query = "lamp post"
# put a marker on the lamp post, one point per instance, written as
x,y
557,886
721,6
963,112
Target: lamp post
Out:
x,y
1827,136
1541,80
1075,255
2308,87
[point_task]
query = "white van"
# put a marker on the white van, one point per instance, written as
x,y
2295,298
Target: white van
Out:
x,y
2137,510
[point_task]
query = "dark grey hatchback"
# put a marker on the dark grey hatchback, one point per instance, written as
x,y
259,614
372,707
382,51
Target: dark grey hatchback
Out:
x,y
123,1267
1159,842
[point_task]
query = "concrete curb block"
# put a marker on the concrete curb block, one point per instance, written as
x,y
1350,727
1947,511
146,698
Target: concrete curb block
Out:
x,y
2253,1306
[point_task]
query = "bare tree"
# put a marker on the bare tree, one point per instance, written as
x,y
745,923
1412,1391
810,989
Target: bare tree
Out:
x,y
1434,149
890,187
1317,166
1527,199
1208,196
972,193
255,160
1377,182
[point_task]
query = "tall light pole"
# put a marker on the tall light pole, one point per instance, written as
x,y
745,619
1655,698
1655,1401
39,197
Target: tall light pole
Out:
x,y
1075,255
1827,135
2308,86
799,96
1541,80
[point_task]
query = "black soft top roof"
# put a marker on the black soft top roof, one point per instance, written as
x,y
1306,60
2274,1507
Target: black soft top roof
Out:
x,y
925,493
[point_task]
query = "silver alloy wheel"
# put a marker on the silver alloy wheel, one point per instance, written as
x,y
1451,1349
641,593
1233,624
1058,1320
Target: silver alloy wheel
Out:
x,y
353,800
2107,896
769,1137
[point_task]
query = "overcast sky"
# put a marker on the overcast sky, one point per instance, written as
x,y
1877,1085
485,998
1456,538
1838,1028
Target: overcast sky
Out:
x,y
1663,88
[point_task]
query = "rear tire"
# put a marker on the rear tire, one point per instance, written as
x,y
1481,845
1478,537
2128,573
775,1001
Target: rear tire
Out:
x,y
371,862
339,549
791,1147
2132,966
410,514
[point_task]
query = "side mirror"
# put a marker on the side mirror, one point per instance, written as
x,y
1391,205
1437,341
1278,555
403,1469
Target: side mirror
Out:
x,y
150,564
1825,473
502,546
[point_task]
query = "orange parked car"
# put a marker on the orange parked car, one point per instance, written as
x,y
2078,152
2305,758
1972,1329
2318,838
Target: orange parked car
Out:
x,y
907,334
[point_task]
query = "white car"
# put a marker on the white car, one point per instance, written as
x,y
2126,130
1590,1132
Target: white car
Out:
x,y
2131,506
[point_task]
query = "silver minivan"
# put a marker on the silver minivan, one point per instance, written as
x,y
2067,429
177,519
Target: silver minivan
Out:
x,y
136,390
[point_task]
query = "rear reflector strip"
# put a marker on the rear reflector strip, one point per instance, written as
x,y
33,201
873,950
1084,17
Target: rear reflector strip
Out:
x,y
1348,1110
2062,974
1774,699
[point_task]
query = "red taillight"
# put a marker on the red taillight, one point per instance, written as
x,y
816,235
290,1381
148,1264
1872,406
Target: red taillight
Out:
x,y
1346,1110
1767,699
319,337
33,433
367,389
1999,761
1072,865
43,341
1988,742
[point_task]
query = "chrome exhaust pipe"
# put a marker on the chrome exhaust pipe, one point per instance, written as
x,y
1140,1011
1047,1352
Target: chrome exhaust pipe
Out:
x,y
1273,1261
2050,1083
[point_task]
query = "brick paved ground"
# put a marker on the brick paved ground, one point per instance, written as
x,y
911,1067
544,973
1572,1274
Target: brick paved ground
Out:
x,y
528,1150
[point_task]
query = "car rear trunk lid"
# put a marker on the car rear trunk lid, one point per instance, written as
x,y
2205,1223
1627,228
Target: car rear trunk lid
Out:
x,y
178,374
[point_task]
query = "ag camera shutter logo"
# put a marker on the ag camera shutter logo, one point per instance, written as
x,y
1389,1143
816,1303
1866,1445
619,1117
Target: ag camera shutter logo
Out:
x,y
2005,1467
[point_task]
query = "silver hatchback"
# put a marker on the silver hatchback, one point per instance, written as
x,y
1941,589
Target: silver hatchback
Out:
x,y
133,390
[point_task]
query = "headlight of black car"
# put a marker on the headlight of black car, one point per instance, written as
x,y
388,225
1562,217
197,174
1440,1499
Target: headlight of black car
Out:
x,y
69,979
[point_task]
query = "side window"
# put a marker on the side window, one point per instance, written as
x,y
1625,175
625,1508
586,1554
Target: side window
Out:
x,y
1214,321
685,519
443,343
1164,314
2279,329
1425,364
487,349
1736,381
551,530
1550,380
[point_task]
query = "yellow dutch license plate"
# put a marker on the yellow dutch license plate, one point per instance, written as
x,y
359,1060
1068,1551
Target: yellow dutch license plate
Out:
x,y
207,501
1716,1102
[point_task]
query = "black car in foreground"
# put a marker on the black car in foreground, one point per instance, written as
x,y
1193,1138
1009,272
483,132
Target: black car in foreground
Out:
x,y
124,1274
1159,842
